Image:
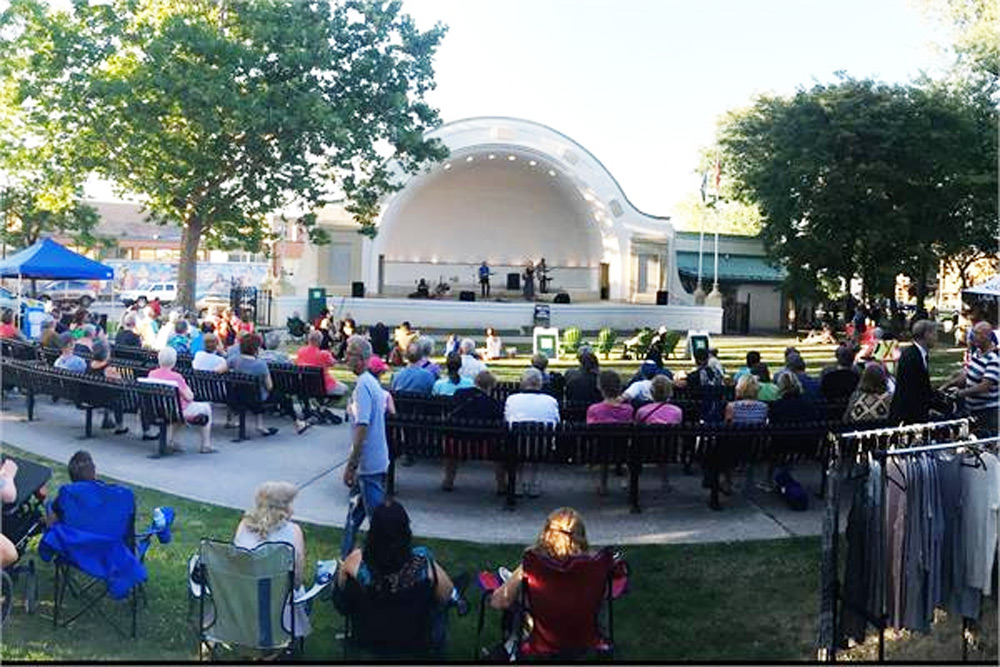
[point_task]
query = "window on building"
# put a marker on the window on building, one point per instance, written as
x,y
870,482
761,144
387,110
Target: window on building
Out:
x,y
246,257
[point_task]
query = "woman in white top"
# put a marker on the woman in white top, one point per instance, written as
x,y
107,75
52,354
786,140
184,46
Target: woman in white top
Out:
x,y
209,359
271,521
494,346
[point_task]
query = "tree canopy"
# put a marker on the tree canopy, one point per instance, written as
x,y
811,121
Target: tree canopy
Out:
x,y
218,114
862,179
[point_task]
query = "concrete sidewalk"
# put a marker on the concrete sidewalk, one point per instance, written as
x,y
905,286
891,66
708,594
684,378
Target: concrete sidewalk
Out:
x,y
471,512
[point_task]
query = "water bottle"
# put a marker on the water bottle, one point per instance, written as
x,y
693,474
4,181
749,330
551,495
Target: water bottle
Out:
x,y
159,521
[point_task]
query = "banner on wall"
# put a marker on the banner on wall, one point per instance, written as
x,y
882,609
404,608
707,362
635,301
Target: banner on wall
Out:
x,y
213,277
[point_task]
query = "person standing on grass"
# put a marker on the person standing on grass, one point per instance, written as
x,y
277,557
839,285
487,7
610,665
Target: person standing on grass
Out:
x,y
977,382
911,403
368,462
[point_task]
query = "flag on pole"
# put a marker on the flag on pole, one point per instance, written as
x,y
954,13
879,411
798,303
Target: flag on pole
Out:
x,y
718,174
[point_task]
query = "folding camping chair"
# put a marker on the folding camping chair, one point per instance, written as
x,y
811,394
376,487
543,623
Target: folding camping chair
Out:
x,y
246,598
390,624
558,611
96,551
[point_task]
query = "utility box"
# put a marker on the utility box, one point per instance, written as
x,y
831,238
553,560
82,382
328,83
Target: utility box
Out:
x,y
546,341
317,302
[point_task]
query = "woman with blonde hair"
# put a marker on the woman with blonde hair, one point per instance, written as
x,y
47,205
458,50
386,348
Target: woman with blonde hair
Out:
x,y
747,409
563,536
270,520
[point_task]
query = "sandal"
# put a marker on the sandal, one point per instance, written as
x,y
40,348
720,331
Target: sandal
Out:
x,y
121,431
299,430
210,450
267,432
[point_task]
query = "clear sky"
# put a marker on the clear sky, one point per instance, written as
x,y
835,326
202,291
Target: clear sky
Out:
x,y
641,83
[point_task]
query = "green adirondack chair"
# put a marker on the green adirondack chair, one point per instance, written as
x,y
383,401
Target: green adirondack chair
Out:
x,y
570,342
606,341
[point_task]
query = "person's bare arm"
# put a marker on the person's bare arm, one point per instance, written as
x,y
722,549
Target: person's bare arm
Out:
x,y
505,596
444,584
351,469
8,492
348,568
299,542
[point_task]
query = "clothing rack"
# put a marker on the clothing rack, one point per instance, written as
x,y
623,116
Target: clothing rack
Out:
x,y
830,590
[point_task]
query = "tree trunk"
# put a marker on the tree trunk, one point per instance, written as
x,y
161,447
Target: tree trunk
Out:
x,y
922,289
187,271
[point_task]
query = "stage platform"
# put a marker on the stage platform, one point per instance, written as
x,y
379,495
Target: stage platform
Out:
x,y
443,314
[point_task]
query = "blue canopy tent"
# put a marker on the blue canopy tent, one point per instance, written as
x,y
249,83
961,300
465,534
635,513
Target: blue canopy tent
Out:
x,y
48,260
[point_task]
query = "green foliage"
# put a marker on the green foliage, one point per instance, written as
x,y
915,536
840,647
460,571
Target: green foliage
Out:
x,y
670,342
220,114
606,339
570,343
975,28
864,179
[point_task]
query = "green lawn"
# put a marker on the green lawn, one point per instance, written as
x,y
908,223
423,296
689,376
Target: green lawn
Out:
x,y
726,602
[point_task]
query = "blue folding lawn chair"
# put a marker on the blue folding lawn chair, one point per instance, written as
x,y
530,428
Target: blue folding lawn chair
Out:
x,y
95,549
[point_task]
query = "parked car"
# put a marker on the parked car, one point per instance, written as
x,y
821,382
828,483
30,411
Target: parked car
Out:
x,y
68,291
166,292
8,300
207,300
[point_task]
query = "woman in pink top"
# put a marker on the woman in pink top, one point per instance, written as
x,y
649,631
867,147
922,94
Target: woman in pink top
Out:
x,y
660,411
195,413
612,410
312,355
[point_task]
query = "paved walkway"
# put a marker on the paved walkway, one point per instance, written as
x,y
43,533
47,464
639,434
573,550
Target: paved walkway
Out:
x,y
471,512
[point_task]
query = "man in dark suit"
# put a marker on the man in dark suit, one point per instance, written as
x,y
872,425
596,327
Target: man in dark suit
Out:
x,y
912,401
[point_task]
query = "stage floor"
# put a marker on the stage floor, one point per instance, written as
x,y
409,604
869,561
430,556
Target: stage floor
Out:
x,y
590,315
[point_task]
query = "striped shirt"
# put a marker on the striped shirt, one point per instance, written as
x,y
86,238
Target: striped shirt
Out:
x,y
983,366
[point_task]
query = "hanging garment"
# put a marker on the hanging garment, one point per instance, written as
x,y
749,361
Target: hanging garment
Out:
x,y
896,498
857,570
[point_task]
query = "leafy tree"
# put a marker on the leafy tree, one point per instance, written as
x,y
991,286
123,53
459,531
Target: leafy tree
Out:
x,y
220,114
40,176
975,28
861,179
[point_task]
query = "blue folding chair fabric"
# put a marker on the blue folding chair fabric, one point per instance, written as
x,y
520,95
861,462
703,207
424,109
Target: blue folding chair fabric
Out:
x,y
95,534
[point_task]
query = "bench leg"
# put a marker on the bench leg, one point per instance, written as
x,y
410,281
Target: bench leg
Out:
x,y
31,405
88,428
390,479
241,434
511,486
161,442
633,487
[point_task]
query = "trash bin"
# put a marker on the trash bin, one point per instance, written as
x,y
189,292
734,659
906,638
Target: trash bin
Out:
x,y
31,322
317,302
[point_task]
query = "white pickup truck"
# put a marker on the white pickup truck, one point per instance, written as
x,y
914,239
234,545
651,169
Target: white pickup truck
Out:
x,y
165,292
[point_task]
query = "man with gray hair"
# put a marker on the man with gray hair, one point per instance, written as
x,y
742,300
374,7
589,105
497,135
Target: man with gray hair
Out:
x,y
368,461
413,379
426,344
978,382
126,336
531,405
471,366
272,353
911,403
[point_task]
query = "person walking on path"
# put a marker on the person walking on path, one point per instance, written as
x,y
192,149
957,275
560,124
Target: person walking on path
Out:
x,y
365,473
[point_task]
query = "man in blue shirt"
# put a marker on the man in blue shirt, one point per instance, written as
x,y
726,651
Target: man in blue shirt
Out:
x,y
368,461
68,360
413,379
484,279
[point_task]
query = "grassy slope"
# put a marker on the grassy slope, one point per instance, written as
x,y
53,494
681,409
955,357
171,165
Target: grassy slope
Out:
x,y
718,602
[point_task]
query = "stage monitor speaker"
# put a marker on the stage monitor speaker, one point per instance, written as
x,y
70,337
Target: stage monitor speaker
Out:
x,y
466,295
514,281
662,297
358,289
562,297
